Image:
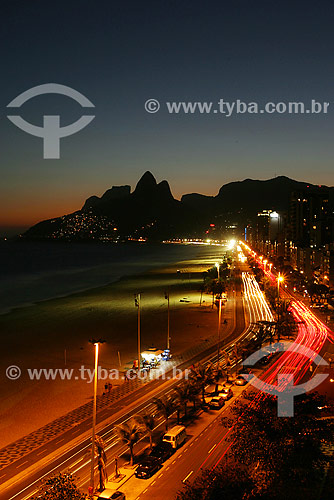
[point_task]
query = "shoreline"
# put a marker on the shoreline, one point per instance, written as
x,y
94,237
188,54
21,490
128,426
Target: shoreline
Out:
x,y
41,335
92,275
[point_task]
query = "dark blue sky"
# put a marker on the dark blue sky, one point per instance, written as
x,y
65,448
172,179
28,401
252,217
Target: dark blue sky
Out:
x,y
119,54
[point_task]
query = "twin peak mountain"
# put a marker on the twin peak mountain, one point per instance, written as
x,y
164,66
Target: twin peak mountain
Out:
x,y
152,212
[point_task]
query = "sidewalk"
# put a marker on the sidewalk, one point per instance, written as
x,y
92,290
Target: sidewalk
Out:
x,y
34,440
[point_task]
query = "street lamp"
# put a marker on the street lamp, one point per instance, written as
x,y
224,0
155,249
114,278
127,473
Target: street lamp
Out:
x,y
280,280
137,304
217,266
96,344
168,338
219,322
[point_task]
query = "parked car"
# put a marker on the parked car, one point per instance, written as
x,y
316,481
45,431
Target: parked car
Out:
x,y
147,467
162,451
240,380
226,393
213,389
175,436
216,403
248,372
109,494
266,359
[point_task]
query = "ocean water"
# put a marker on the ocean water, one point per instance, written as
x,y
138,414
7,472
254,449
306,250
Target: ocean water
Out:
x,y
34,271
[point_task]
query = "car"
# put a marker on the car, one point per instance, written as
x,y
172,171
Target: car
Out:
x,y
147,467
248,372
226,393
266,359
162,451
216,403
240,380
109,494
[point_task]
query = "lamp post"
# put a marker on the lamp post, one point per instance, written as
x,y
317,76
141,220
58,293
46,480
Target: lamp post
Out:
x,y
96,344
280,280
217,266
137,304
219,322
168,337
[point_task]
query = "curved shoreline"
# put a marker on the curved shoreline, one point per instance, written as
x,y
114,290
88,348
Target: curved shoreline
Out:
x,y
54,334
85,278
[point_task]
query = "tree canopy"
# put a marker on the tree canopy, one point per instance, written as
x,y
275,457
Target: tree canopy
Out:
x,y
59,487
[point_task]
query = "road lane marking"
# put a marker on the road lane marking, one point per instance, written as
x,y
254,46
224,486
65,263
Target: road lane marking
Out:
x,y
23,463
77,462
213,447
40,453
187,477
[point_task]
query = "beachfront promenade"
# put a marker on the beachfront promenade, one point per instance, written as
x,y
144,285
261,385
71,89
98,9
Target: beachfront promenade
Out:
x,y
60,444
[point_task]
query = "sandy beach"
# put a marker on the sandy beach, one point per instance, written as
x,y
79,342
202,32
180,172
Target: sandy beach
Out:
x,y
56,333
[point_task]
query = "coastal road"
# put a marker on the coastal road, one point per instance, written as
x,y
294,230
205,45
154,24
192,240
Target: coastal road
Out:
x,y
77,459
203,451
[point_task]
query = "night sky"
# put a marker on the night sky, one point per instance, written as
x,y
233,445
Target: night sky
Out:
x,y
119,54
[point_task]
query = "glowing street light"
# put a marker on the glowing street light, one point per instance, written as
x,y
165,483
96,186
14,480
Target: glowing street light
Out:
x,y
219,322
217,266
168,335
280,280
96,344
137,304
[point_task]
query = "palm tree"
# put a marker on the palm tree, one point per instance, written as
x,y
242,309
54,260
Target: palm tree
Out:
x,y
193,393
102,460
182,395
217,374
214,286
286,324
147,421
202,375
166,407
130,434
262,334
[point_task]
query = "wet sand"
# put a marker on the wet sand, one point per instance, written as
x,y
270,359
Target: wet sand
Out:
x,y
52,333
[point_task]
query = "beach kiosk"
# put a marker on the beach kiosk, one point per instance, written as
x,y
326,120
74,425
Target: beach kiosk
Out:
x,y
152,356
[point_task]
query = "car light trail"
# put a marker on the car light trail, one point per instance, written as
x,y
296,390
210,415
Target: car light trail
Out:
x,y
312,335
257,304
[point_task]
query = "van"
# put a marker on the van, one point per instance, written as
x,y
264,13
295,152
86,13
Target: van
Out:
x,y
175,436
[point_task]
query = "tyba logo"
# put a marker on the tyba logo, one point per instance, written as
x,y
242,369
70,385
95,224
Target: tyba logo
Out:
x,y
285,390
51,132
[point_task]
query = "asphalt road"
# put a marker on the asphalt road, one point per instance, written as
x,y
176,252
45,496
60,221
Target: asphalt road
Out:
x,y
206,450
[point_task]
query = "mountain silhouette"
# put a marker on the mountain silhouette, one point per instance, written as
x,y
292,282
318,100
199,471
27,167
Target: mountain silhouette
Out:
x,y
151,211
